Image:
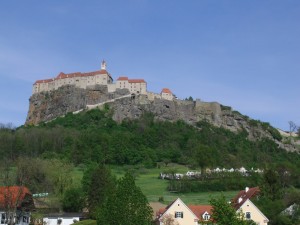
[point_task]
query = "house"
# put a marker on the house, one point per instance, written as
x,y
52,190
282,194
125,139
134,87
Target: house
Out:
x,y
182,214
203,212
62,218
242,204
16,203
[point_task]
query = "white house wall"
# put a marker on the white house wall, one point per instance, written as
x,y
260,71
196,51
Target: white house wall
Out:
x,y
65,220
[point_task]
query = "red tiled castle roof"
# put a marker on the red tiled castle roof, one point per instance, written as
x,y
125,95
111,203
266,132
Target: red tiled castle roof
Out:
x,y
43,81
62,75
122,78
136,81
166,90
132,80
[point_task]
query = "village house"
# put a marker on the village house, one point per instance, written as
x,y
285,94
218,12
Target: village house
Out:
x,y
242,204
62,218
99,77
16,204
179,212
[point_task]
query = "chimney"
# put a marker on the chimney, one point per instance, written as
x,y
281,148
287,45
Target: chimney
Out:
x,y
246,189
240,200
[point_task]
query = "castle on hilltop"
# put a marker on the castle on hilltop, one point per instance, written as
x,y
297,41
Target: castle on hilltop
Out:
x,y
99,77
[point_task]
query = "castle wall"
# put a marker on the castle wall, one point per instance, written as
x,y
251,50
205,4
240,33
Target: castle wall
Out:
x,y
167,96
151,96
111,87
82,80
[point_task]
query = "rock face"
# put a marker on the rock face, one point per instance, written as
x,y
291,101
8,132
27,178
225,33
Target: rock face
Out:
x,y
46,106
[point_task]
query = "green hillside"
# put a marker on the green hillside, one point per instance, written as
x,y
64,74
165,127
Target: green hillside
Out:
x,y
94,136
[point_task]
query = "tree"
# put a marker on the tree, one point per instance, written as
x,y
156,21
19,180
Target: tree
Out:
x,y
223,213
128,205
98,184
293,127
73,200
271,185
169,219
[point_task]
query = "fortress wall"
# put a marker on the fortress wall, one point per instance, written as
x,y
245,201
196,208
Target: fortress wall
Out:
x,y
111,87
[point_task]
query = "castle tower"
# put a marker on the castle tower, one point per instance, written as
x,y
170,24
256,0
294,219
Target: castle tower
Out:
x,y
103,65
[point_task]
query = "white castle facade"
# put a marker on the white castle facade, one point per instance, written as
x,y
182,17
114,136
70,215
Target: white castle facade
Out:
x,y
101,77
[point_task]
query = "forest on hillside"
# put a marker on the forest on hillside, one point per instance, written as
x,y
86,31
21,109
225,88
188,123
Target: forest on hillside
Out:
x,y
43,157
93,136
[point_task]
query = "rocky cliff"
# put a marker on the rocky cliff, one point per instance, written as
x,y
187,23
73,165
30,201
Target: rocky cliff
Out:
x,y
46,106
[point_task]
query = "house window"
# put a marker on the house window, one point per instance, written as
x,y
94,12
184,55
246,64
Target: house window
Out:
x,y
25,219
178,214
3,218
248,215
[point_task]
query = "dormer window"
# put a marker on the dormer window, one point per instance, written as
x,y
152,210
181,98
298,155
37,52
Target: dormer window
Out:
x,y
178,214
206,216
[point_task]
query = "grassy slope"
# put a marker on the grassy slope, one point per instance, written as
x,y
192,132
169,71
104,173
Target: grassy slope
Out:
x,y
154,188
87,222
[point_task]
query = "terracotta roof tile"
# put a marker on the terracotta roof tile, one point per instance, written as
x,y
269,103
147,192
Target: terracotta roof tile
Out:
x,y
12,195
199,210
166,90
62,75
43,81
136,81
122,78
252,192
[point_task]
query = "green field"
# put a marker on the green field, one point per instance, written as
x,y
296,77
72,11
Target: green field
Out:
x,y
154,188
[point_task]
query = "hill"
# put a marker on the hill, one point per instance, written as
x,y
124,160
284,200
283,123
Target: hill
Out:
x,y
95,136
46,106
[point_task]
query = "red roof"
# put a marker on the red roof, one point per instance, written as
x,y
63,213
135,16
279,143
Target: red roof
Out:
x,y
123,78
243,195
13,195
43,81
166,90
199,210
62,75
136,81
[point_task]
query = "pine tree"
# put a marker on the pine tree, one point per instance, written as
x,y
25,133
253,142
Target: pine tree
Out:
x,y
128,205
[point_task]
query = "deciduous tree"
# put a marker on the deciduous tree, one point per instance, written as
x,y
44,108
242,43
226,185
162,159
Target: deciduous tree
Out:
x,y
223,213
98,184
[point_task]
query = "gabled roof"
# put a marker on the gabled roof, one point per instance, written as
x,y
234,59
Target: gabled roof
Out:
x,y
13,196
243,195
199,210
164,211
166,90
249,202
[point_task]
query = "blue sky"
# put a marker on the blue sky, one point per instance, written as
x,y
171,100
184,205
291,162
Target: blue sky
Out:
x,y
239,53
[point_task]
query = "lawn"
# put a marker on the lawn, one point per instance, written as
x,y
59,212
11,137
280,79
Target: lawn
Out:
x,y
154,188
